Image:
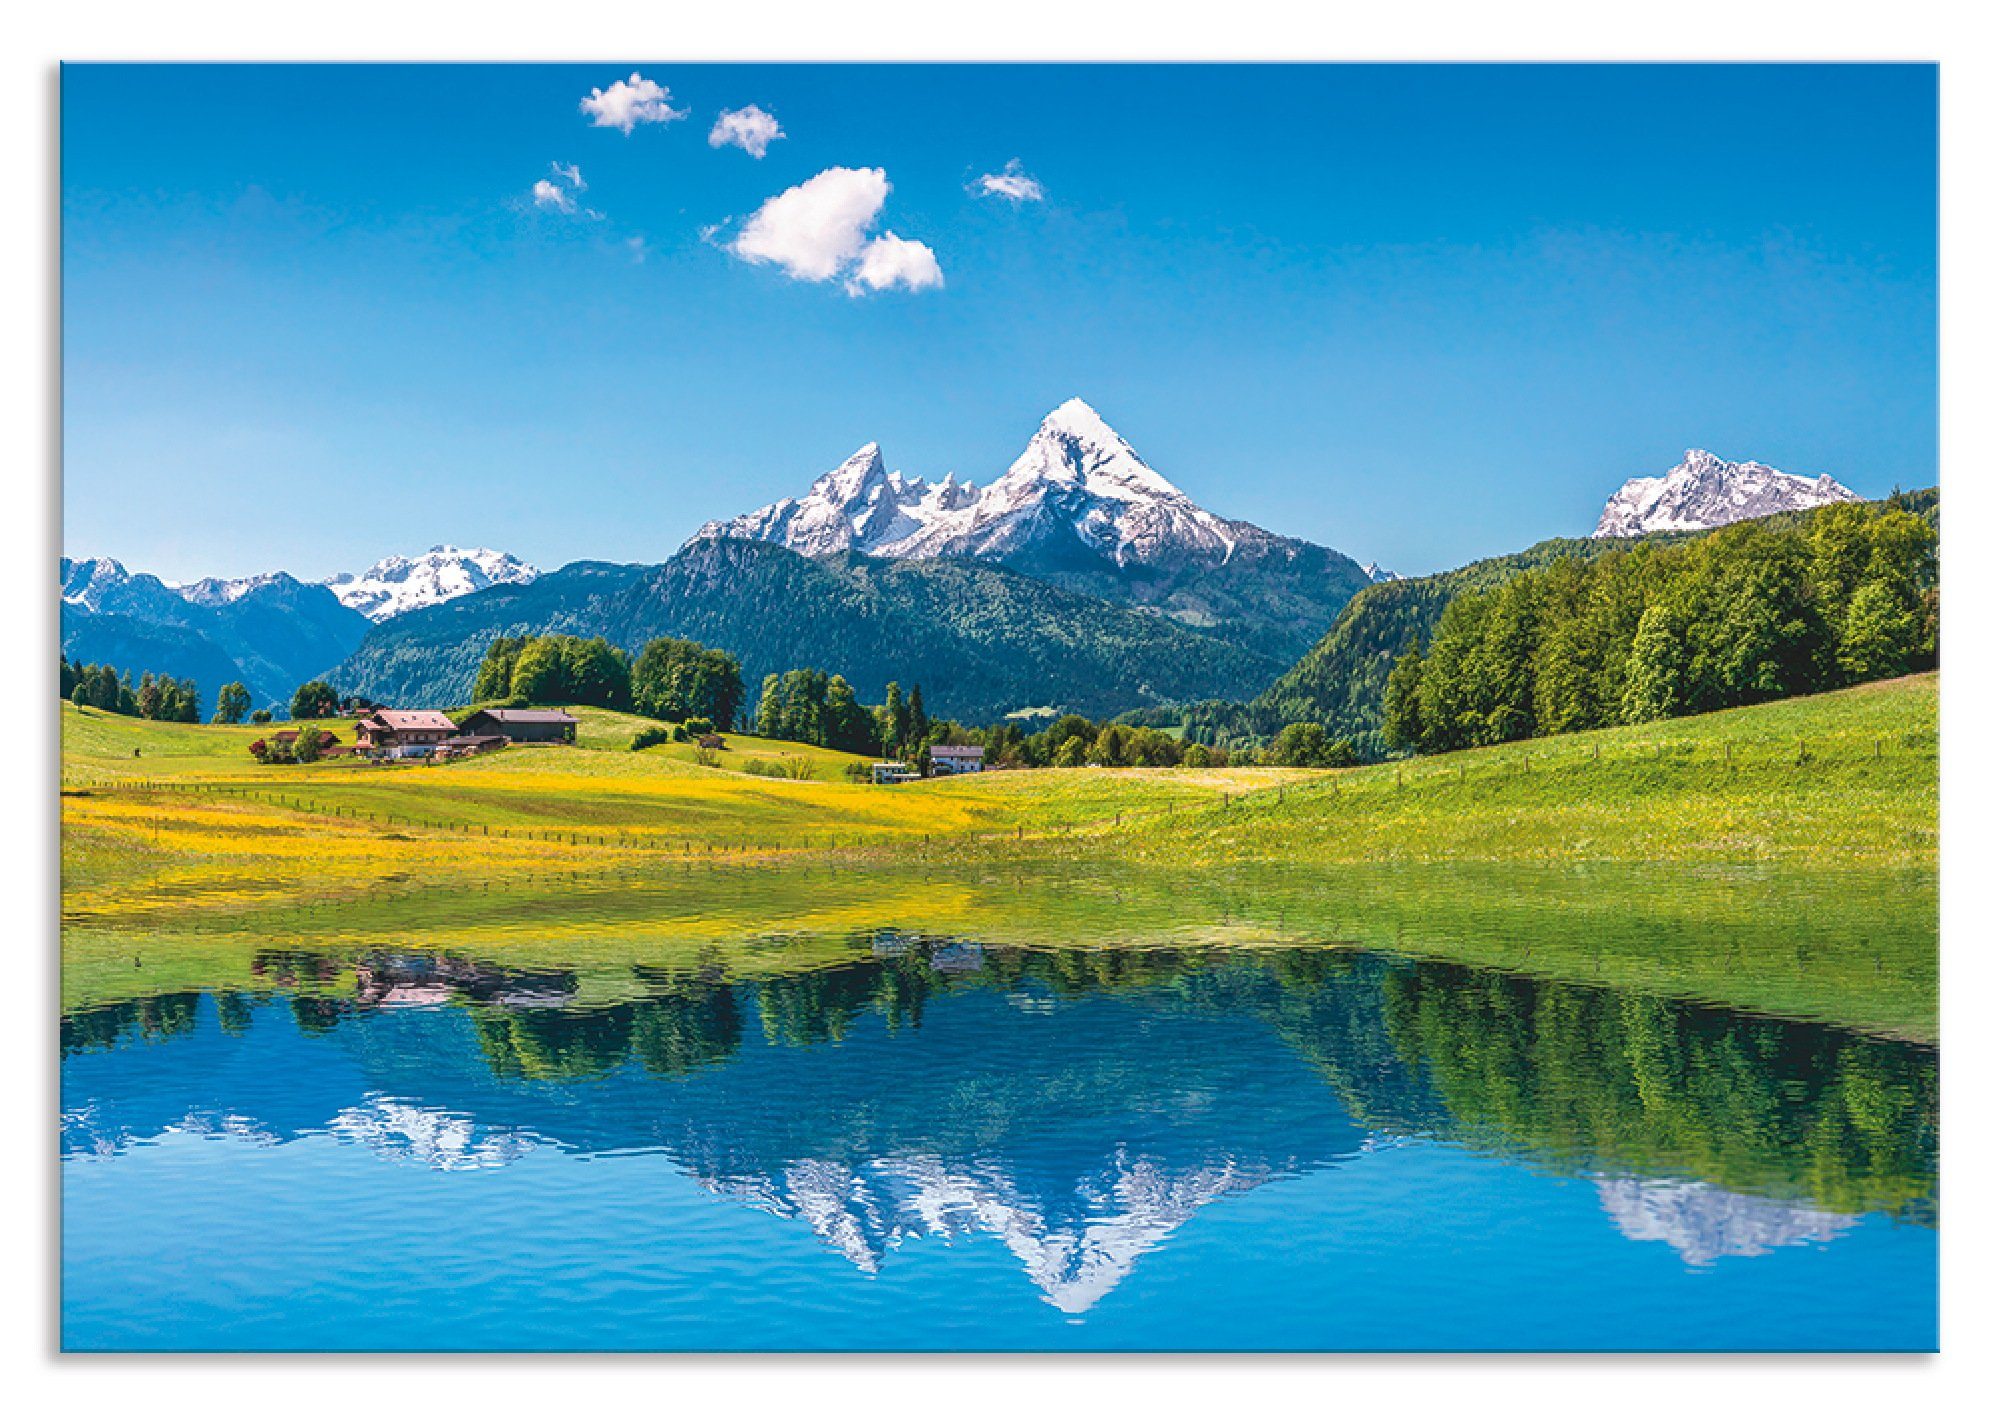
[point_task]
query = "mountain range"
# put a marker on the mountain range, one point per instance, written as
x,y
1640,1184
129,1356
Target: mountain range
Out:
x,y
397,584
1079,578
1704,492
269,631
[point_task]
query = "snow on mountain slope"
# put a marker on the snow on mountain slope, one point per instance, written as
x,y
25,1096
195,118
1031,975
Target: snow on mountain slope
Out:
x,y
104,585
398,584
212,592
1077,479
1705,491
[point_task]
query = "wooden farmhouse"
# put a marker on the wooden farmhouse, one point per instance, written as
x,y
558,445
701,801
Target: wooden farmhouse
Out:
x,y
402,732
522,725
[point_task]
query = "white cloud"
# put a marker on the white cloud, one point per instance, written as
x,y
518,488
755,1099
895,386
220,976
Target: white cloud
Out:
x,y
750,128
551,197
819,230
630,102
559,195
814,229
636,247
888,261
1011,183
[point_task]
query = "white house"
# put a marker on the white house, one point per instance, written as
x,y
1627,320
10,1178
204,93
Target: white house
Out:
x,y
957,760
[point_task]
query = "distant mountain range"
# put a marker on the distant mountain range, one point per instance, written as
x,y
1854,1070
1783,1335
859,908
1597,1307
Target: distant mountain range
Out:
x,y
397,585
1704,492
270,631
1079,579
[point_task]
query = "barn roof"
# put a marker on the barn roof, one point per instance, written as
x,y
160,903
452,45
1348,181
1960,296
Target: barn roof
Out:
x,y
529,717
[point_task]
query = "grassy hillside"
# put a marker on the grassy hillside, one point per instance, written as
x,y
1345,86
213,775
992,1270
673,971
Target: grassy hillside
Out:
x,y
1847,777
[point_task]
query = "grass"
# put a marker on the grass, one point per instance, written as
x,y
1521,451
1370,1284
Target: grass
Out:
x,y
1839,780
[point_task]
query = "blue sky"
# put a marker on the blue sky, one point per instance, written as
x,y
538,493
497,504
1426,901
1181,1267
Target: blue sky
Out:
x,y
312,316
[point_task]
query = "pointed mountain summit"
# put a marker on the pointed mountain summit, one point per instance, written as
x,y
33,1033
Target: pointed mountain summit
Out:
x,y
1705,491
1082,509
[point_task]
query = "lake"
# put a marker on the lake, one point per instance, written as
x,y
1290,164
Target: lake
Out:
x,y
585,1119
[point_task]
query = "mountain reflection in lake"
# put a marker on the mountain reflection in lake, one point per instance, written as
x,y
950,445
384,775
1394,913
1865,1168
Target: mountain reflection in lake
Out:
x,y
1006,1147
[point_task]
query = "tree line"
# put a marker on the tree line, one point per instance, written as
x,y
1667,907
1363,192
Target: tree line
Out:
x,y
155,698
1750,613
814,708
672,679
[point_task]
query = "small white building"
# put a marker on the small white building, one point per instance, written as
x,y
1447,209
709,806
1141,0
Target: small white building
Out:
x,y
891,772
957,760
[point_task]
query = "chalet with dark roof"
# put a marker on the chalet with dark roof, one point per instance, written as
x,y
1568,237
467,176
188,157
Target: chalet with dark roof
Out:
x,y
522,724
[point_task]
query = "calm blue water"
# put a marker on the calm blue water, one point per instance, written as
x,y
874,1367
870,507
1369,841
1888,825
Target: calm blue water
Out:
x,y
938,1146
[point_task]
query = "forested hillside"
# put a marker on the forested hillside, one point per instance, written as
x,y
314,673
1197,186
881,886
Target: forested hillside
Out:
x,y
1342,681
1749,613
429,656
992,641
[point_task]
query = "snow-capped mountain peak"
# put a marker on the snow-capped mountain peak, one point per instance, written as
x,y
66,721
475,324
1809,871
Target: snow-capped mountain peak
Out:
x,y
1078,486
398,584
86,581
854,475
1705,491
1076,448
1081,509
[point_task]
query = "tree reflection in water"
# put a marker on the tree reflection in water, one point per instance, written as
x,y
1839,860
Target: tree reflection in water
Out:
x,y
1080,1103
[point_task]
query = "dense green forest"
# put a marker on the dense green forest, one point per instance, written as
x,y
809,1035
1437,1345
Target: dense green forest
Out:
x,y
1747,613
